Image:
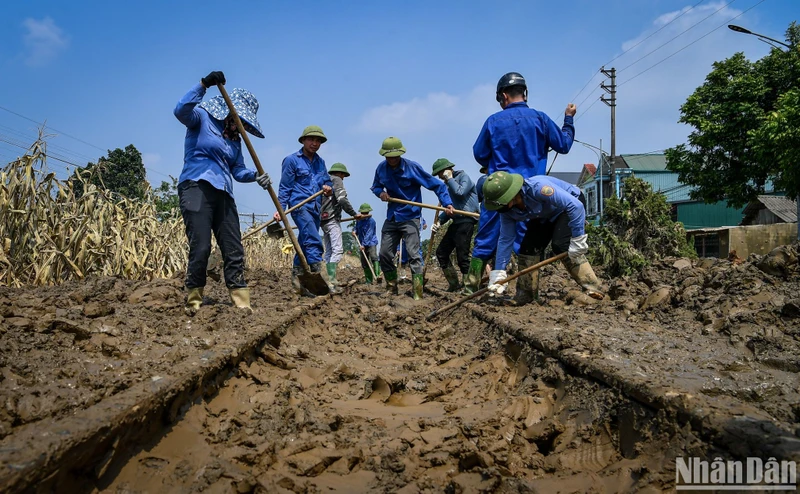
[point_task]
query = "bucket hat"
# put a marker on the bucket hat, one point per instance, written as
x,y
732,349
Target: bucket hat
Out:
x,y
365,208
246,107
440,165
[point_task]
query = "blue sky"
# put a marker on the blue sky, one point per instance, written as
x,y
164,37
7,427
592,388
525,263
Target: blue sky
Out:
x,y
107,74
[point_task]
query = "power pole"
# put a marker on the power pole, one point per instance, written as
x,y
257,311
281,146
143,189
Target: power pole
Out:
x,y
611,101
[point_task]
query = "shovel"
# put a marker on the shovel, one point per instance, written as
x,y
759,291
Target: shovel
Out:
x,y
480,292
272,222
313,282
430,206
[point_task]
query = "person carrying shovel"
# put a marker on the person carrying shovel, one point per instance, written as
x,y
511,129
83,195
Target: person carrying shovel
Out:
x,y
366,231
401,178
331,216
212,161
302,174
459,233
554,212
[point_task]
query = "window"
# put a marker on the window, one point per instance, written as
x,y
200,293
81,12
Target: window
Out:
x,y
591,201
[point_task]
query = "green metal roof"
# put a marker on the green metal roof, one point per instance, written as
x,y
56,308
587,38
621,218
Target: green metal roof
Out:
x,y
646,162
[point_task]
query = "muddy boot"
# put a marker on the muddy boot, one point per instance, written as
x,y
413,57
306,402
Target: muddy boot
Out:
x,y
194,299
296,286
451,275
376,265
391,283
528,284
584,275
323,271
240,298
367,276
331,267
473,278
417,286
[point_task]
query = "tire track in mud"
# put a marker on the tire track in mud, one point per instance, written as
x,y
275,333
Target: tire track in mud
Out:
x,y
363,395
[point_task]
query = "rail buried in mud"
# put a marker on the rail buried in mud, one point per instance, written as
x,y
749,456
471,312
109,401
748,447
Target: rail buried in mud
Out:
x,y
362,395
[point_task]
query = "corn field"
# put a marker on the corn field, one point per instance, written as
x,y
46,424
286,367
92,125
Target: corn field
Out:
x,y
50,235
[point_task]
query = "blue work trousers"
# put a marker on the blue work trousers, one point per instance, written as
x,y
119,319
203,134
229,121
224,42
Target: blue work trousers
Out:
x,y
307,220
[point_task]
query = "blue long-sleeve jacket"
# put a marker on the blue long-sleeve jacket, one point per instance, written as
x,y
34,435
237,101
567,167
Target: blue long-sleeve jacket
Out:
x,y
404,182
301,178
516,140
464,195
544,198
366,231
207,155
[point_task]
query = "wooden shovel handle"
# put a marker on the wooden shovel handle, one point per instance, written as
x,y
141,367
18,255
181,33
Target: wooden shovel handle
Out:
x,y
431,206
260,169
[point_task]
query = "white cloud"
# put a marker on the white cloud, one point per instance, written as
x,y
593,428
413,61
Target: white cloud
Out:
x,y
432,112
44,40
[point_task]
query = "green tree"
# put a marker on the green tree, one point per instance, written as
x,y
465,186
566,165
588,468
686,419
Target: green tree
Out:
x,y
166,198
121,171
735,113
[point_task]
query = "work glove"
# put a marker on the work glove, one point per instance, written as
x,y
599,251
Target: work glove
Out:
x,y
578,247
264,181
447,174
435,228
213,78
495,276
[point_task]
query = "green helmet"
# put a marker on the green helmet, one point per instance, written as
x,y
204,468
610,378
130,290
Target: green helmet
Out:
x,y
365,208
312,131
499,188
441,165
339,167
392,146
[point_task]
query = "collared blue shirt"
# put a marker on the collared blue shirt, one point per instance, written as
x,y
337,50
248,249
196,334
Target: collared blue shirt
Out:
x,y
404,182
301,178
367,232
207,155
464,195
517,138
559,197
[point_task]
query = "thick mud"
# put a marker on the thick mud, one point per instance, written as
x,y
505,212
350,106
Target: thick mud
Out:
x,y
362,394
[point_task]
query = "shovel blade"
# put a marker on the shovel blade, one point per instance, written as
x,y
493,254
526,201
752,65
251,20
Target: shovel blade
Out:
x,y
275,231
314,283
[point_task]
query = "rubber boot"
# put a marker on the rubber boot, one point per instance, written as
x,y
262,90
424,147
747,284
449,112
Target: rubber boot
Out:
x,y
194,299
296,286
376,265
391,283
584,275
417,286
240,297
528,284
368,276
331,266
473,278
451,275
323,271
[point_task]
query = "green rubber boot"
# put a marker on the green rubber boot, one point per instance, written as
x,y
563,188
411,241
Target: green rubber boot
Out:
x,y
584,275
194,299
417,284
323,271
368,276
473,278
451,275
331,267
376,265
391,283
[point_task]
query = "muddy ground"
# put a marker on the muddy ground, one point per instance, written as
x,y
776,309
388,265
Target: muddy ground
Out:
x,y
362,394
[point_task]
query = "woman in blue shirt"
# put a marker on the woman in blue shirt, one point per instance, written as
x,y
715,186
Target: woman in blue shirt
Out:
x,y
212,160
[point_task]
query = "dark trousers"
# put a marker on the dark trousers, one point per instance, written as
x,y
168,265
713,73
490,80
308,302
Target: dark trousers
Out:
x,y
205,210
458,238
371,252
542,232
392,233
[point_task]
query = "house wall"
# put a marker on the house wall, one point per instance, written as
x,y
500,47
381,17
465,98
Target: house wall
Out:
x,y
744,240
700,215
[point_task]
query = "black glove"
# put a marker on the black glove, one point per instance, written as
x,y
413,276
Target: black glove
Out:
x,y
214,78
